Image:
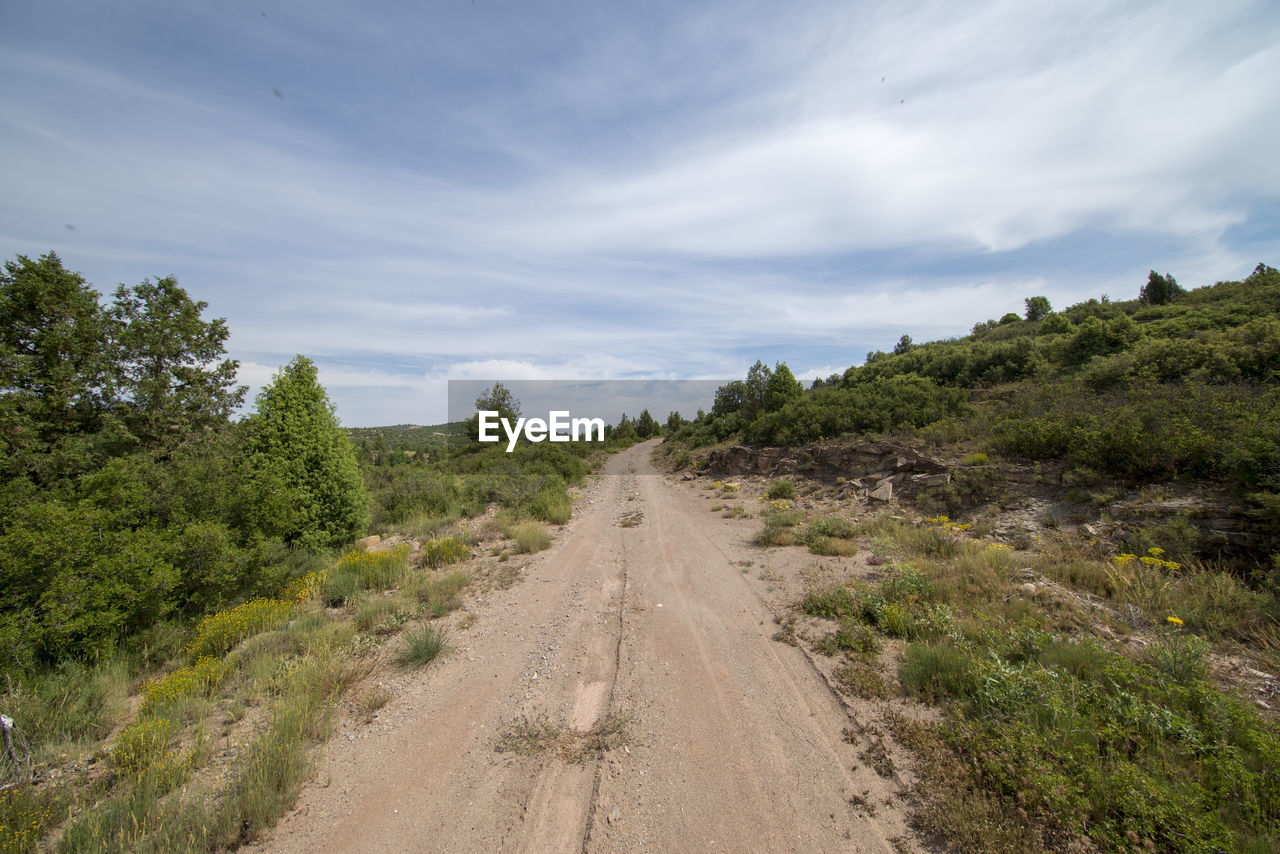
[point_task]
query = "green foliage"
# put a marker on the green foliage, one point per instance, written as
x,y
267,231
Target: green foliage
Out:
x,y
1038,308
442,551
1159,289
423,645
834,603
163,351
1104,744
782,488
294,441
646,426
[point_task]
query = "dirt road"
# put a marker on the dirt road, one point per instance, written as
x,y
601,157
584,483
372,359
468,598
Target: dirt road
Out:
x,y
641,613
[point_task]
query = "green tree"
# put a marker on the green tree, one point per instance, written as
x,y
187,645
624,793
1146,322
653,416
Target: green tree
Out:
x,y
753,390
301,455
904,345
729,398
674,423
53,368
783,387
1159,289
625,431
172,377
1038,308
497,398
646,426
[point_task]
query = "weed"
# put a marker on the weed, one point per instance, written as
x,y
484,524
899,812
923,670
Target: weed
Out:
x,y
782,489
861,679
442,551
375,570
530,537
529,736
218,633
834,603
423,645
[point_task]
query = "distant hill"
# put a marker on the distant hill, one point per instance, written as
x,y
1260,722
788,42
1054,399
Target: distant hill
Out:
x,y
408,437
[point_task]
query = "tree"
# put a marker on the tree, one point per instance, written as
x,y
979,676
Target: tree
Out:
x,y
753,392
297,450
783,387
498,398
646,426
53,368
729,398
674,423
1159,289
171,374
904,345
1038,308
625,431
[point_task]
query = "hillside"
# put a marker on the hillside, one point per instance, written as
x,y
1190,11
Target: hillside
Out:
x,y
1174,387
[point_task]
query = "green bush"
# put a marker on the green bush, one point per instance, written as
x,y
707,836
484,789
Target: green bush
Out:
x,y
782,489
443,551
423,645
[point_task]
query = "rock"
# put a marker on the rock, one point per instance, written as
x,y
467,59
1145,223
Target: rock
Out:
x,y
1028,588
882,492
615,815
368,542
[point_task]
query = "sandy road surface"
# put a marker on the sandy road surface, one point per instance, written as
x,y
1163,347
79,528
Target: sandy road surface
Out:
x,y
734,740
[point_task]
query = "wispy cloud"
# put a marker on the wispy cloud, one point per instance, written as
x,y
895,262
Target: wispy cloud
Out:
x,y
654,190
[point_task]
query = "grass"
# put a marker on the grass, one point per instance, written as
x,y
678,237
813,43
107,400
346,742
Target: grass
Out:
x,y
1049,740
423,645
287,656
530,736
781,488
443,551
530,537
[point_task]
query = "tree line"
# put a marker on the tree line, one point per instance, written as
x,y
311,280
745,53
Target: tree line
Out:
x,y
129,492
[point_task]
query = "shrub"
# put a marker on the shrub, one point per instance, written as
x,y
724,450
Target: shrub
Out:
x,y
530,537
974,459
782,489
376,570
339,588
831,546
834,603
443,551
218,633
834,526
202,679
423,645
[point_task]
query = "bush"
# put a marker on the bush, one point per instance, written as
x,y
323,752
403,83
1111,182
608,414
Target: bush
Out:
x,y
443,551
376,570
782,489
835,603
215,635
340,588
423,645
530,537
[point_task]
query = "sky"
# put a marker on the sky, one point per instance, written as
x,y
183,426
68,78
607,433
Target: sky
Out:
x,y
413,192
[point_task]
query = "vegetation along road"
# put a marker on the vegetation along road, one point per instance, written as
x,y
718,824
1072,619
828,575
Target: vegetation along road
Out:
x,y
626,696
